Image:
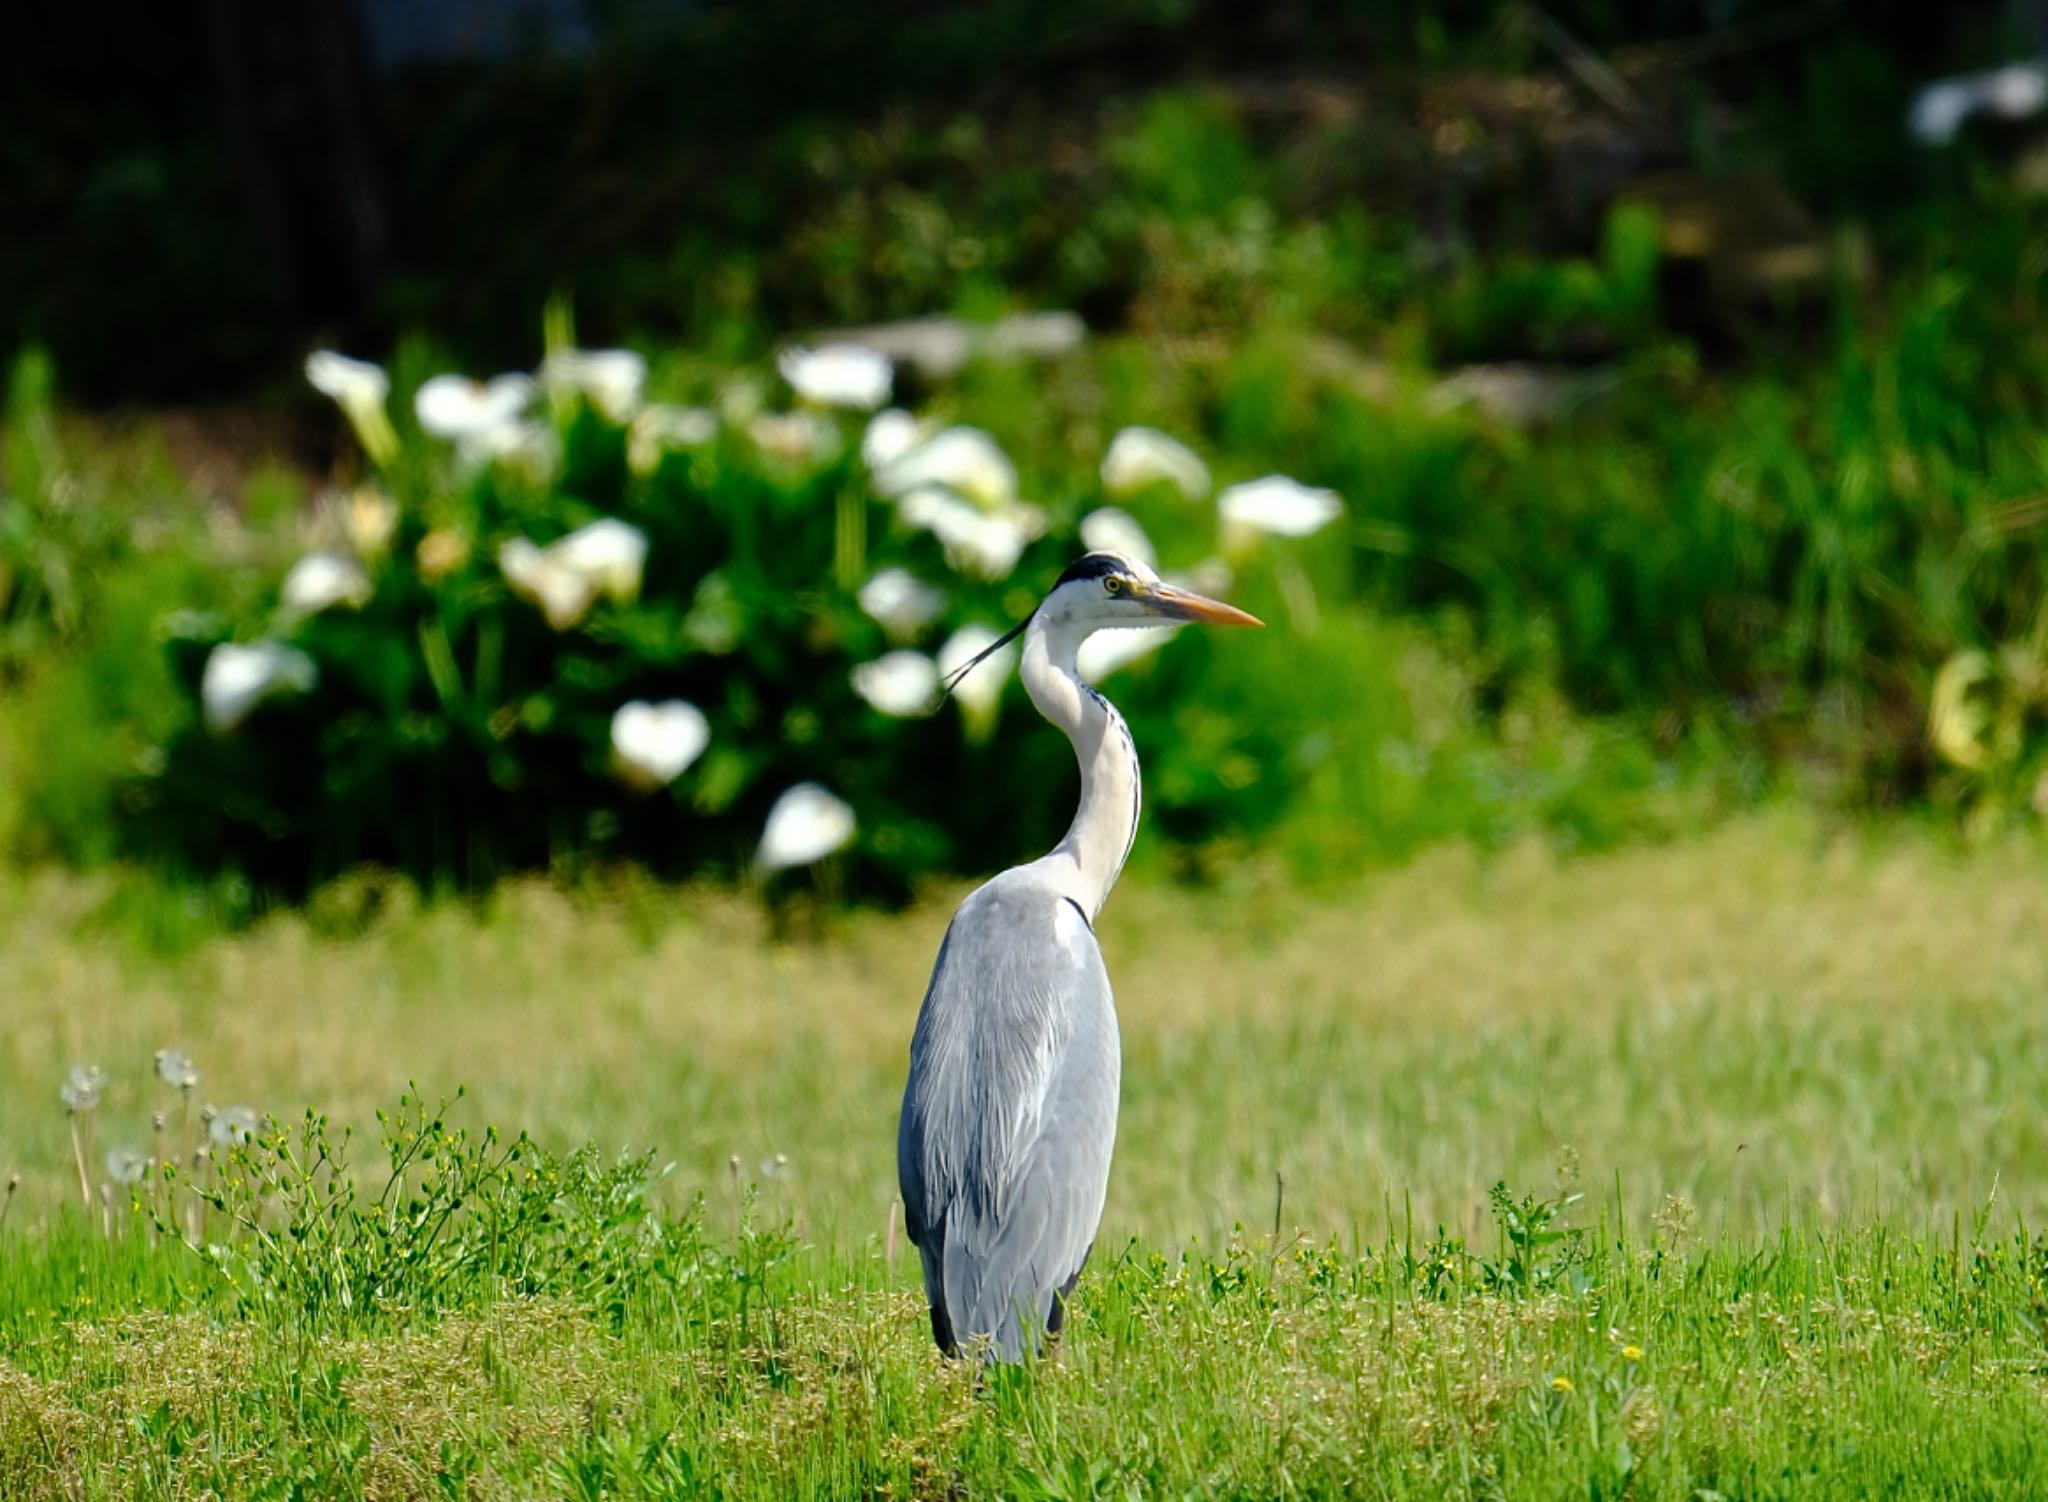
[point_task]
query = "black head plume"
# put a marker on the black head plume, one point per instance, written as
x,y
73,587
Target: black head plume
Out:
x,y
954,678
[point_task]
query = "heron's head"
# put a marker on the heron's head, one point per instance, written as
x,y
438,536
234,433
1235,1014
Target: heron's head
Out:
x,y
1110,589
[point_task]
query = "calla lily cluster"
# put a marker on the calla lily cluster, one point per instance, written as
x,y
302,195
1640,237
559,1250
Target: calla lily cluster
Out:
x,y
669,605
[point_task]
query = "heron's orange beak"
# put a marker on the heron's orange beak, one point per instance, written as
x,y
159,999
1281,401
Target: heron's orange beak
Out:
x,y
1186,605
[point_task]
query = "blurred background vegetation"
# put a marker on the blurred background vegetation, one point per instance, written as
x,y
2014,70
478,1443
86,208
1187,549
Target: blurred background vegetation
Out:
x,y
1685,403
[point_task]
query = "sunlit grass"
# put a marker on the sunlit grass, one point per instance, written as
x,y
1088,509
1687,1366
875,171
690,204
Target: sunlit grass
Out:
x,y
1793,1071
1776,1015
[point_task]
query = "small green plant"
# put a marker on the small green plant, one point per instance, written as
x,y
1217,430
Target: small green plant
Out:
x,y
1539,1253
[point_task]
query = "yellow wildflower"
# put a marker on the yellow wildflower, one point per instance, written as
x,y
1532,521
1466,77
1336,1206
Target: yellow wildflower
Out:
x,y
1631,1353
1560,1384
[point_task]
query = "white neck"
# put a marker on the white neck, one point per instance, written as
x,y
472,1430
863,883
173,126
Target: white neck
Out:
x,y
1086,863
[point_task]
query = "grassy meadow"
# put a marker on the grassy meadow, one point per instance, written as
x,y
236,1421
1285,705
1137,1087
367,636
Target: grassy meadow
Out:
x,y
1766,1105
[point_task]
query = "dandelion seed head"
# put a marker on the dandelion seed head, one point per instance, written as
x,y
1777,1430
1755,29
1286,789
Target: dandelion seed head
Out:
x,y
175,1067
233,1126
81,1088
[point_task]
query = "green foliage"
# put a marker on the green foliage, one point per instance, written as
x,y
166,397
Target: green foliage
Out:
x,y
54,534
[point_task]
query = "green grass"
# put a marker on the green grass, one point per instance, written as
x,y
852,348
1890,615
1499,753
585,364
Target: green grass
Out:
x,y
1794,1073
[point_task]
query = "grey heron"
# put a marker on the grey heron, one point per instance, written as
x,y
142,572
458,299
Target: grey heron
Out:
x,y
1009,1115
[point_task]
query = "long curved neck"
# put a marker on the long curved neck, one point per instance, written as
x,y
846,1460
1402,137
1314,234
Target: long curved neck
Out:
x,y
1087,862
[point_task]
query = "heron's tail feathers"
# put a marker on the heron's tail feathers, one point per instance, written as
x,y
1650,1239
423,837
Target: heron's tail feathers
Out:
x,y
990,1299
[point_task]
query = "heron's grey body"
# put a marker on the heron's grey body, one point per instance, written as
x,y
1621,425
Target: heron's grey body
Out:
x,y
1009,1115
1004,1146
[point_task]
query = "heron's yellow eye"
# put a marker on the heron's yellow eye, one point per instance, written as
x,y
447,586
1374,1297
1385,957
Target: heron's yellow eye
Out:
x,y
1113,584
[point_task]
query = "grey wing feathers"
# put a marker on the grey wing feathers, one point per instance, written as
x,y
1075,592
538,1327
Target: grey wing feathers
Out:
x,y
1010,1114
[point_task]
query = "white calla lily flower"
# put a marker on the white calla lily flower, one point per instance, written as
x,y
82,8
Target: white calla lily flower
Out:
x,y
981,691
798,437
563,596
964,460
1278,506
1113,530
654,744
838,375
659,429
605,559
903,683
611,380
321,581
529,445
994,546
975,541
890,435
237,678
901,602
1941,108
1139,458
806,824
611,554
1107,651
347,382
361,390
471,414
